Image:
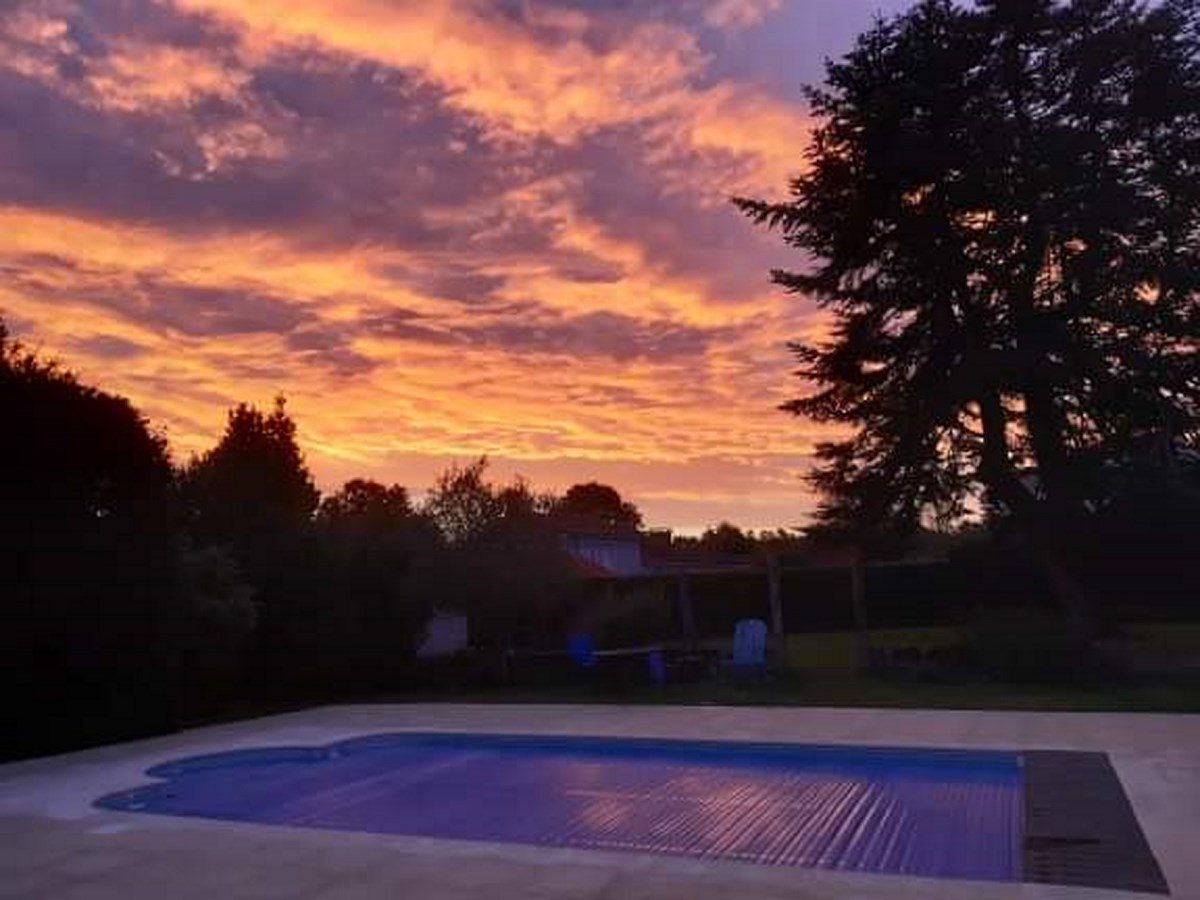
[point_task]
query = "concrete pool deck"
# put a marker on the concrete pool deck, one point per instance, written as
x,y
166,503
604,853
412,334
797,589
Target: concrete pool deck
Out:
x,y
55,844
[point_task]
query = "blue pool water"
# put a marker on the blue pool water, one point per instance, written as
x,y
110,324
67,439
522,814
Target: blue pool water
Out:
x,y
954,814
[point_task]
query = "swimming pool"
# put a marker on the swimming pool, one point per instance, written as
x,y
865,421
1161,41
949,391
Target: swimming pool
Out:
x,y
941,813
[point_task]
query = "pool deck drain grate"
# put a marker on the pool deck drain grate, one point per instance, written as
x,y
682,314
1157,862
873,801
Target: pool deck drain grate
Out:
x,y
1080,828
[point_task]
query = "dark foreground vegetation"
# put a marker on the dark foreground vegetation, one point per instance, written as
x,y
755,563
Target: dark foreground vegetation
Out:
x,y
1001,213
138,594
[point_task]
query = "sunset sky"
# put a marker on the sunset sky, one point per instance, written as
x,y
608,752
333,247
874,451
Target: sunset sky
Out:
x,y
443,228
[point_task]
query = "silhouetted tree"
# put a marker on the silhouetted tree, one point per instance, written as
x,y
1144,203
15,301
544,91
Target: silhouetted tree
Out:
x,y
253,494
781,541
505,565
87,561
209,635
598,505
367,504
1002,212
727,538
254,484
462,504
374,549
1142,554
519,501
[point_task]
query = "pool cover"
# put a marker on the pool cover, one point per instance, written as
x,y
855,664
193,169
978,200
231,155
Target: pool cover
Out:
x,y
954,814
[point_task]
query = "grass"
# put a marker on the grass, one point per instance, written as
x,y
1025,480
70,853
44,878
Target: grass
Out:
x,y
828,682
844,690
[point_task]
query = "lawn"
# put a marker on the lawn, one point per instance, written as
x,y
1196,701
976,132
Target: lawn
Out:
x,y
845,690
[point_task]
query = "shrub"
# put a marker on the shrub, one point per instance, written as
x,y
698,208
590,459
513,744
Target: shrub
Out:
x,y
210,626
1023,643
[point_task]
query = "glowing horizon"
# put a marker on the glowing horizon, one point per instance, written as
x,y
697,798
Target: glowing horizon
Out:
x,y
443,230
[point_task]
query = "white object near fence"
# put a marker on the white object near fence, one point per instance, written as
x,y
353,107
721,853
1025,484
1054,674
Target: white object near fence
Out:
x,y
445,634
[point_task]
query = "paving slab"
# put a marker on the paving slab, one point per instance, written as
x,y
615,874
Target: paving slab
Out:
x,y
55,844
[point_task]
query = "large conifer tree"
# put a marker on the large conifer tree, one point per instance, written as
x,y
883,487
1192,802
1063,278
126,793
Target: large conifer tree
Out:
x,y
1001,211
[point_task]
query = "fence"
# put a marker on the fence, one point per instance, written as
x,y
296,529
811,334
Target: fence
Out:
x,y
921,605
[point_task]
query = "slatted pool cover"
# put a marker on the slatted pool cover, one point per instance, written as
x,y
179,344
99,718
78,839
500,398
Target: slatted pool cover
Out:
x,y
934,813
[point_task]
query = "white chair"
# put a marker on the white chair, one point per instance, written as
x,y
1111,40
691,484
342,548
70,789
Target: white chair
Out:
x,y
749,658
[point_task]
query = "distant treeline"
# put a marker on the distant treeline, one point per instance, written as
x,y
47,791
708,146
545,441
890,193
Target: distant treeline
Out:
x,y
138,594
943,593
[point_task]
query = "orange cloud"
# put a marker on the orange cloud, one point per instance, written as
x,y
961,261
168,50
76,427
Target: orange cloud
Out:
x,y
488,65
559,87
417,399
138,75
552,276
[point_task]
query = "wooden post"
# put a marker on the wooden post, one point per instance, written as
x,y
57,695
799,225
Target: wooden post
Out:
x,y
858,602
687,615
775,599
